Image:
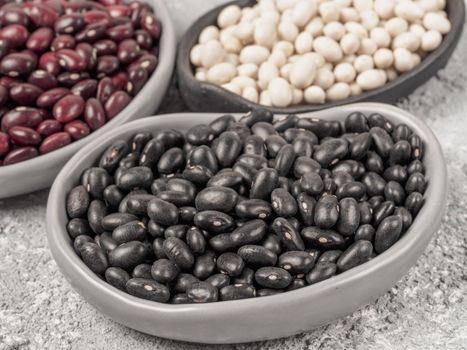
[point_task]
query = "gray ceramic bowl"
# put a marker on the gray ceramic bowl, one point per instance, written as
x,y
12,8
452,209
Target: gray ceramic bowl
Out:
x,y
249,319
39,172
206,97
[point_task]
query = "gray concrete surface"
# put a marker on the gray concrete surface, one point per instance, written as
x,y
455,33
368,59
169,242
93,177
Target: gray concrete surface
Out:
x,y
427,309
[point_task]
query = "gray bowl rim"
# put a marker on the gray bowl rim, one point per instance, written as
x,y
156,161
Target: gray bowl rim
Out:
x,y
93,288
166,64
388,93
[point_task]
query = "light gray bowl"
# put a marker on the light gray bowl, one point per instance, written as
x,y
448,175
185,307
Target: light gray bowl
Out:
x,y
259,318
38,173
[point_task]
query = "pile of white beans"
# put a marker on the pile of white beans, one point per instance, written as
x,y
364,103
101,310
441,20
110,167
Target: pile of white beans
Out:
x,y
287,52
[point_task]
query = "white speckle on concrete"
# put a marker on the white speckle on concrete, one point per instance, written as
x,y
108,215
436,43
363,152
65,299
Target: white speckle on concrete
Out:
x,y
427,309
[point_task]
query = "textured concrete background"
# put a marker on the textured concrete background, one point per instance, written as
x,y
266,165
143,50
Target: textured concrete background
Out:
x,y
427,309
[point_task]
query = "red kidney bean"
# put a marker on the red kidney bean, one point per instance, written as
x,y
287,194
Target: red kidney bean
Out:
x,y
69,24
20,154
40,39
64,41
120,32
94,114
3,95
48,98
14,16
16,34
42,79
116,103
120,80
107,65
105,47
118,10
105,88
4,48
94,16
69,79
24,136
147,61
25,94
144,39
54,141
151,25
137,77
49,127
128,51
89,54
4,143
85,88
71,61
24,116
16,64
49,62
92,32
77,129
68,108
41,14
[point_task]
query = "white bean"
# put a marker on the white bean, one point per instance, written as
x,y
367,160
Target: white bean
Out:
x,y
208,33
229,16
267,71
380,36
349,14
297,96
403,60
344,72
278,58
434,21
334,30
286,47
396,26
233,88
212,53
248,70
288,31
409,10
431,40
314,95
303,11
265,33
315,27
329,48
254,54
355,89
303,43
350,43
338,91
251,94
264,98
407,41
303,72
369,19
363,5
196,54
367,47
385,8
383,58
329,11
280,92
363,63
221,73
370,79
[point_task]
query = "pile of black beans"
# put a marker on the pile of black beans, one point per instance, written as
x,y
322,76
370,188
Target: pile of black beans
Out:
x,y
249,208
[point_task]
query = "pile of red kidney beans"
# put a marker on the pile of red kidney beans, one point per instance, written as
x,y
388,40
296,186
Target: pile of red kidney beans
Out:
x,y
68,67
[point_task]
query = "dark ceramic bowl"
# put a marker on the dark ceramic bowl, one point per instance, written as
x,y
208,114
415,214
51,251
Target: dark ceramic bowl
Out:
x,y
206,97
257,318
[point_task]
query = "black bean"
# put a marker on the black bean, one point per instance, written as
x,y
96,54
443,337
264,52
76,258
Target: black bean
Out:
x,y
329,256
357,254
256,255
349,217
264,183
94,257
96,212
76,227
117,277
296,262
320,238
326,211
202,292
254,145
249,233
253,209
237,291
283,203
178,231
414,202
305,165
388,233
216,198
196,240
321,272
274,143
312,184
230,264
148,289
285,160
95,180
287,234
77,202
273,277
219,125
183,281
356,122
164,271
163,212
365,232
179,252
128,255
219,280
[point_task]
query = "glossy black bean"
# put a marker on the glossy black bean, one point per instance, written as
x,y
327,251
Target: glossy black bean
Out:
x,y
114,220
329,256
284,160
273,243
183,281
305,165
137,204
204,156
388,233
356,122
163,212
253,209
414,202
273,277
187,214
296,262
142,271
357,254
306,207
214,221
202,292
416,166
374,162
171,161
374,183
179,252
148,289
237,291
365,232
326,212
77,202
257,255
395,173
324,239
164,271
117,277
76,227
250,232
216,198
128,255
220,124
288,235
321,272
284,123
283,203
377,120
382,211
394,192
349,217
95,180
